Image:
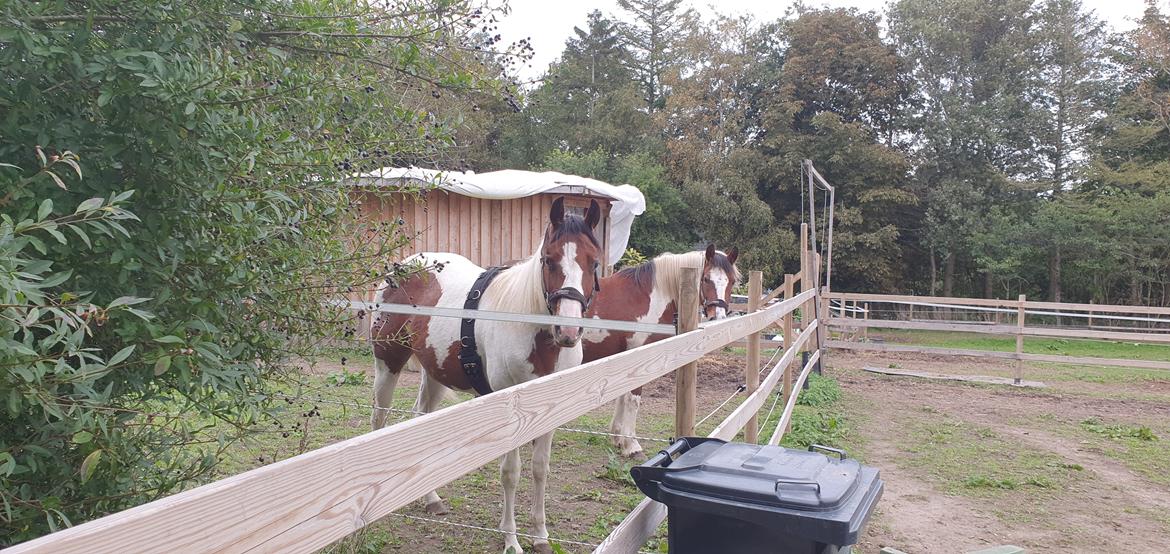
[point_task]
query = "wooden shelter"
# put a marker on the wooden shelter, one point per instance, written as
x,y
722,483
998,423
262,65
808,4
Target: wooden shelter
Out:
x,y
493,218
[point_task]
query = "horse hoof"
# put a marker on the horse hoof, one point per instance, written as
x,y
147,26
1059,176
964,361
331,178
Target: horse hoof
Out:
x,y
635,454
542,547
437,508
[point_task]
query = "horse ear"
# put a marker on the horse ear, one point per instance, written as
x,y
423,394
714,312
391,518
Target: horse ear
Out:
x,y
732,255
556,215
593,214
711,252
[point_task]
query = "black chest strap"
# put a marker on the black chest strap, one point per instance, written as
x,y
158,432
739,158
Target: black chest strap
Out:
x,y
469,357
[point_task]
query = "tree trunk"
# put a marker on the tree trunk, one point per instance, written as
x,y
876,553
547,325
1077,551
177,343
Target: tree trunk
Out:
x,y
1135,290
949,276
989,292
933,274
1054,265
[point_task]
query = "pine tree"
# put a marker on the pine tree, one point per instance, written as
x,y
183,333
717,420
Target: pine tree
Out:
x,y
653,39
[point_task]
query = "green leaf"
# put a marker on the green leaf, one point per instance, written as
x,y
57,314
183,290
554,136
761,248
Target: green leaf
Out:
x,y
81,234
126,301
57,235
162,365
169,339
234,25
45,209
190,109
89,465
89,205
7,463
82,437
121,355
57,180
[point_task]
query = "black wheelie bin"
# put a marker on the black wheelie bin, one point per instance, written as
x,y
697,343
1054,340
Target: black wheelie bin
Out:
x,y
728,498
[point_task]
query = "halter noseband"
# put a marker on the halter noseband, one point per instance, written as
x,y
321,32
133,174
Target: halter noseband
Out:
x,y
717,303
573,294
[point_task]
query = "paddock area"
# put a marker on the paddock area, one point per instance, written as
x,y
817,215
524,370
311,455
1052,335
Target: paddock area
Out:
x,y
1080,465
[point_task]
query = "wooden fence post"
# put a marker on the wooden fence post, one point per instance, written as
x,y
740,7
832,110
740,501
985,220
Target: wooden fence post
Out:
x,y
1090,315
686,376
1020,339
805,280
789,336
865,316
821,307
751,371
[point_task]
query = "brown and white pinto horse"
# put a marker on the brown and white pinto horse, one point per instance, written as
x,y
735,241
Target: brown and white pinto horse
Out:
x,y
559,278
648,293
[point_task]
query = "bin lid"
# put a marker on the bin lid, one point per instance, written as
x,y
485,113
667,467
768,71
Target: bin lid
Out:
x,y
765,475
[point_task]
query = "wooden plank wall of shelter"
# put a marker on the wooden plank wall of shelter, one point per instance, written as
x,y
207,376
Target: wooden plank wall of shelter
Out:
x,y
487,232
1022,311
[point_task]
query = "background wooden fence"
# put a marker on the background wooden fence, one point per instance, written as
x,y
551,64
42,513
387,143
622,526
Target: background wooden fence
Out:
x,y
1019,318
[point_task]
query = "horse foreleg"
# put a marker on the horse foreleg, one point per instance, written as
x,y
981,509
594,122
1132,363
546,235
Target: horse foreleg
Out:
x,y
430,394
510,477
541,452
385,379
625,419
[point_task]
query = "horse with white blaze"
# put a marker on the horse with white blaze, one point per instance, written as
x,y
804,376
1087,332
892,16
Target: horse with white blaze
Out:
x,y
560,278
648,293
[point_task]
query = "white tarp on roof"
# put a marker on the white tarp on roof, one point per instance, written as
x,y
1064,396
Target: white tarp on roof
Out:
x,y
627,200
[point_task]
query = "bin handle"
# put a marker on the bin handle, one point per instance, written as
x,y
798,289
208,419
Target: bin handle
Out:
x,y
837,451
797,482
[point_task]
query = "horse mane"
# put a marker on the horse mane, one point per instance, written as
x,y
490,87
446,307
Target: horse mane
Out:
x,y
666,269
642,275
518,289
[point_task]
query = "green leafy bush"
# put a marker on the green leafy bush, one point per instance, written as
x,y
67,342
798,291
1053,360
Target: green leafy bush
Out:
x,y
138,346
631,258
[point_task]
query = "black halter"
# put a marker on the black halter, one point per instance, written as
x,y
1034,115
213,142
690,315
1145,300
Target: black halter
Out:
x,y
573,294
718,303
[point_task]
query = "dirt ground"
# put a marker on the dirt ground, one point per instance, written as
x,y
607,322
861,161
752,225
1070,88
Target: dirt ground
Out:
x,y
969,467
1065,468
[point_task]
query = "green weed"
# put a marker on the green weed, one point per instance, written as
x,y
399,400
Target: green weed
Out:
x,y
617,471
822,392
1119,431
984,482
345,377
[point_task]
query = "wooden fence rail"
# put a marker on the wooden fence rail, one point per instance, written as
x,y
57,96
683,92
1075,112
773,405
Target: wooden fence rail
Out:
x,y
1020,328
307,502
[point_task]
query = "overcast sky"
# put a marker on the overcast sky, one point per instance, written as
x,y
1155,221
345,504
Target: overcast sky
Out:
x,y
550,22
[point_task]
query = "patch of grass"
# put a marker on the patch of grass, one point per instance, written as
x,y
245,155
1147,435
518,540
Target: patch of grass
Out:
x,y
984,482
814,427
822,392
1118,431
617,470
1032,345
817,418
973,460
